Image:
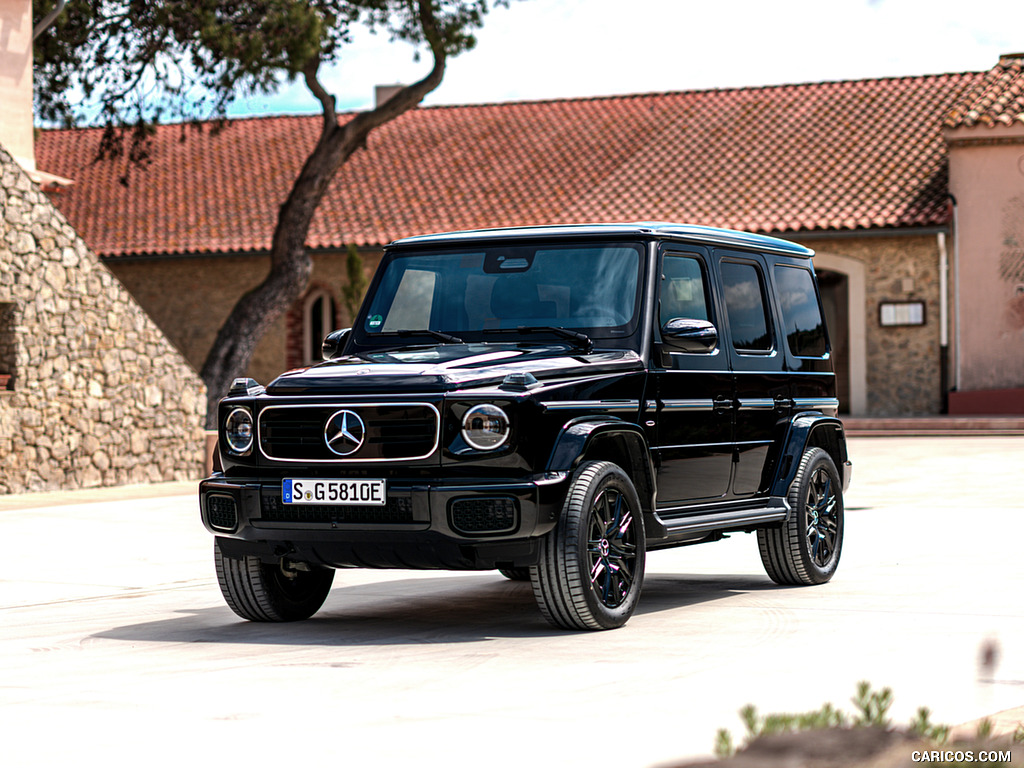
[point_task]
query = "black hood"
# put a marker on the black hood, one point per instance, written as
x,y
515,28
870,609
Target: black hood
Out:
x,y
445,368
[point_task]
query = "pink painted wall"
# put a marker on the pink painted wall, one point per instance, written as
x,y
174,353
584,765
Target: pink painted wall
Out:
x,y
987,179
16,80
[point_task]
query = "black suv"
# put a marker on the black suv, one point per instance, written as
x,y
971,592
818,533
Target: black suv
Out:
x,y
550,402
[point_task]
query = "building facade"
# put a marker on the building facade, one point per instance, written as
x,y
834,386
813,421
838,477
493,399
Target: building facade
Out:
x,y
880,177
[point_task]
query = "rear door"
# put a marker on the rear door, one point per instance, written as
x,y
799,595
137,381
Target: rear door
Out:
x,y
762,391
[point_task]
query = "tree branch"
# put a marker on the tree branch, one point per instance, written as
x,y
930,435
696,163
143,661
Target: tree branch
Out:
x,y
327,101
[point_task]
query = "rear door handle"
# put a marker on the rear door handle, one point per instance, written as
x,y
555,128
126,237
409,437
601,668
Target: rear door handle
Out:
x,y
723,404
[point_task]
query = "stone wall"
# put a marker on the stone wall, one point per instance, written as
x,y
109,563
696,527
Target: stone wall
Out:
x,y
902,363
97,395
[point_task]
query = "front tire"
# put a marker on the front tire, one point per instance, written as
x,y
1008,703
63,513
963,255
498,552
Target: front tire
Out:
x,y
806,548
259,591
516,574
591,567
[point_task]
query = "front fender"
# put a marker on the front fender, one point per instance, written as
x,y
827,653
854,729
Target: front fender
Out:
x,y
608,439
811,430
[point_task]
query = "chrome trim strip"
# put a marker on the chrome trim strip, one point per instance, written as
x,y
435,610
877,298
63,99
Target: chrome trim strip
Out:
x,y
816,402
431,406
727,447
688,405
757,404
603,405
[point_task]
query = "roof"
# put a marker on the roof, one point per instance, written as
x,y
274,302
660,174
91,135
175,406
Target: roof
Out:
x,y
638,229
996,99
849,155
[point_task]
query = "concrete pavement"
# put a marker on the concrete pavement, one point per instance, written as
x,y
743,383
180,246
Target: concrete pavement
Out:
x,y
116,645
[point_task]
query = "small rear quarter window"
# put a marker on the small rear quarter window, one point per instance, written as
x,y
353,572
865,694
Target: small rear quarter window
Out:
x,y
801,312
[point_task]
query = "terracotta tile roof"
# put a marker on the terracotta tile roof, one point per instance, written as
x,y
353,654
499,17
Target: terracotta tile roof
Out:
x,y
996,99
817,156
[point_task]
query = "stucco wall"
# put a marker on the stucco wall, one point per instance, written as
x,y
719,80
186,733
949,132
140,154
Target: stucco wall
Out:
x,y
99,396
189,299
16,80
987,179
902,364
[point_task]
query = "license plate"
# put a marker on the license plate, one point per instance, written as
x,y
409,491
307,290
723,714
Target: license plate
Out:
x,y
341,492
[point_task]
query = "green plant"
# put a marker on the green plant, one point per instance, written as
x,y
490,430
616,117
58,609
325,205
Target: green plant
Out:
x,y
873,705
923,727
355,288
723,744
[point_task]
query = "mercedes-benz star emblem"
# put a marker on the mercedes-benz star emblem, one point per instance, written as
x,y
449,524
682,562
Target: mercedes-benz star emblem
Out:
x,y
344,433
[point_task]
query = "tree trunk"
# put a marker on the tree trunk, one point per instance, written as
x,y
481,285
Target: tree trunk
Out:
x,y
290,263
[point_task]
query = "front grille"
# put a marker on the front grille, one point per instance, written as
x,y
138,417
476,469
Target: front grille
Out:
x,y
393,432
397,510
221,512
475,515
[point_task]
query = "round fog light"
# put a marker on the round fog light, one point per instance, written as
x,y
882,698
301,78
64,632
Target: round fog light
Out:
x,y
238,430
485,427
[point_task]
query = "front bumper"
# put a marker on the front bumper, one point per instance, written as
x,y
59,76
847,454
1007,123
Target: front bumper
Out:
x,y
444,524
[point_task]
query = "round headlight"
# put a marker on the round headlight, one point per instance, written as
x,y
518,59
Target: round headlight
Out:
x,y
238,430
485,427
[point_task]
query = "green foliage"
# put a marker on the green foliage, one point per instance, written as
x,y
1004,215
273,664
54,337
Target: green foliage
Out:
x,y
124,62
826,717
723,744
922,726
873,705
353,291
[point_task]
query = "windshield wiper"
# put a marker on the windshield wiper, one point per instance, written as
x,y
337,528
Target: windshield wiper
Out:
x,y
581,340
447,338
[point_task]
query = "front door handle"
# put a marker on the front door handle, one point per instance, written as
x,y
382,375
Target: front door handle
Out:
x,y
722,404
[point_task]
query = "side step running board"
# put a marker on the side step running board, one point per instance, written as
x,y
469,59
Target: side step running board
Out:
x,y
727,520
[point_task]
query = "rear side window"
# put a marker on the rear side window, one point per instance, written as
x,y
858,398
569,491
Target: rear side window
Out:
x,y
801,313
745,304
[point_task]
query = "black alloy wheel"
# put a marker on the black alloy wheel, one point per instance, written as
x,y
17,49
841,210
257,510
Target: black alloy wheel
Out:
x,y
806,548
611,545
591,567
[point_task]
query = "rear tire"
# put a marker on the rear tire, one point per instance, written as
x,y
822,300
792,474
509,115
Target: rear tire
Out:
x,y
806,548
591,567
258,591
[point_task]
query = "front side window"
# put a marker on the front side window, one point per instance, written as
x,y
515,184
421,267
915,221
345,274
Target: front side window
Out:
x,y
745,305
801,313
683,289
592,288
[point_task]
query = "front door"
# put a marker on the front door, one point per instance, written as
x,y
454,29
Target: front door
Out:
x,y
690,417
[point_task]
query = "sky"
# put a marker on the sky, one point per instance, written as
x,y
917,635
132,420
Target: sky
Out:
x,y
548,49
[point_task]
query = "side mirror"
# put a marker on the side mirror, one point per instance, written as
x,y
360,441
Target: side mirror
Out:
x,y
334,342
687,335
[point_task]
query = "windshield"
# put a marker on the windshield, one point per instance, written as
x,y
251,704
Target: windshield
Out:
x,y
470,293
